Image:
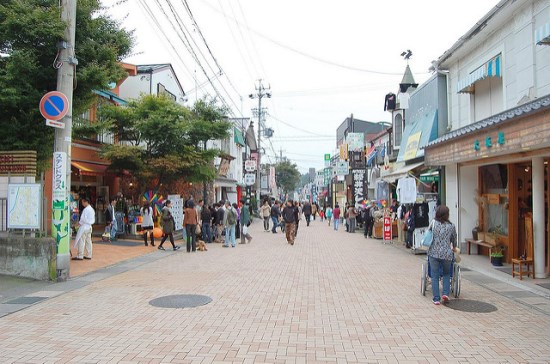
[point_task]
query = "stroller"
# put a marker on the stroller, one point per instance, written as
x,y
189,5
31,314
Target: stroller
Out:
x,y
426,278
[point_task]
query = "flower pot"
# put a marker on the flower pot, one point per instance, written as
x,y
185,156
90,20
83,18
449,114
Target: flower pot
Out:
x,y
496,261
474,233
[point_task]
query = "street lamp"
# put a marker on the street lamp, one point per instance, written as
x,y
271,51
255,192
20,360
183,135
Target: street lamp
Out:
x,y
261,92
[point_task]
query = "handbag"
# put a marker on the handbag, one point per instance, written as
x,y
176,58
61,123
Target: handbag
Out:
x,y
428,237
198,229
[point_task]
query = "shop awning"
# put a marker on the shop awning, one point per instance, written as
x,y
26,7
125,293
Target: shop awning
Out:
x,y
542,35
111,96
490,69
401,172
238,137
89,169
225,182
417,134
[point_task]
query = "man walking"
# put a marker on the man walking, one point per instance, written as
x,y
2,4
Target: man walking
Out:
x,y
230,221
110,219
275,214
289,217
307,210
265,212
220,213
84,234
245,222
336,216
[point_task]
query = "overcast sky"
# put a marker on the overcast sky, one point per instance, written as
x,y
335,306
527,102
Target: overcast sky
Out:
x,y
324,60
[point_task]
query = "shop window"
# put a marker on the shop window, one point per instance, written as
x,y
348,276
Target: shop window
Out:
x,y
398,130
494,182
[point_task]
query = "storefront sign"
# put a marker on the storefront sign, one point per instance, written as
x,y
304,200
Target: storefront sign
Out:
x,y
59,184
356,142
224,167
344,152
412,146
18,163
387,228
249,179
489,141
358,185
327,176
250,165
342,168
327,160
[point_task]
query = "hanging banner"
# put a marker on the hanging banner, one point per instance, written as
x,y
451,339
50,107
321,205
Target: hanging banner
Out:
x,y
344,152
412,146
371,154
359,192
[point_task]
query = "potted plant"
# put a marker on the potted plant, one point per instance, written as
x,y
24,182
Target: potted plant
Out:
x,y
497,255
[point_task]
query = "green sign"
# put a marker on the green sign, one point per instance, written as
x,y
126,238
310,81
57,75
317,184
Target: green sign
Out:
x,y
429,178
327,157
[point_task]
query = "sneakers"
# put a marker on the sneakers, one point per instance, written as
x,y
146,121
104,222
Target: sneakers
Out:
x,y
437,303
445,298
161,248
177,247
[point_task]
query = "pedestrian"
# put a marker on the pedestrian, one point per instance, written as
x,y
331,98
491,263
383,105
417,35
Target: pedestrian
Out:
x,y
307,212
168,225
441,253
369,220
289,217
298,216
346,216
328,214
245,222
322,214
84,235
147,222
229,221
275,216
265,212
238,226
352,218
336,216
206,223
220,226
110,219
190,221
314,210
410,225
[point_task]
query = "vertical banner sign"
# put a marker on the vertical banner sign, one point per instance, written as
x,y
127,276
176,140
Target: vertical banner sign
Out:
x,y
327,160
327,176
355,141
358,185
60,204
387,228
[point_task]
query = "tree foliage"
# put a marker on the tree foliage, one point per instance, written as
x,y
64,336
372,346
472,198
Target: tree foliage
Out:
x,y
163,141
287,175
29,33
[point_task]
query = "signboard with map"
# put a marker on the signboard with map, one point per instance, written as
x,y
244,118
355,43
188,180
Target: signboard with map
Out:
x,y
24,202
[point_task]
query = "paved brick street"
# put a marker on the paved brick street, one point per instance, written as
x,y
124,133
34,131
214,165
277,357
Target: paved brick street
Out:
x,y
332,297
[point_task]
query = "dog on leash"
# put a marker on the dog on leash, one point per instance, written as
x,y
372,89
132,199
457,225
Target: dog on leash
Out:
x,y
201,246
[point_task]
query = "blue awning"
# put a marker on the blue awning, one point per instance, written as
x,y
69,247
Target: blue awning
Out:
x,y
542,35
490,69
238,137
111,96
417,135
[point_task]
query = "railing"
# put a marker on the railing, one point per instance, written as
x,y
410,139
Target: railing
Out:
x,y
3,214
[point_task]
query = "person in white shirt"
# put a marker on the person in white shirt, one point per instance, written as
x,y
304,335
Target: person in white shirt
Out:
x,y
84,234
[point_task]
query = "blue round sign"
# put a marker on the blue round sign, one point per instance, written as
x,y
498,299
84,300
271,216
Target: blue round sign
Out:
x,y
54,105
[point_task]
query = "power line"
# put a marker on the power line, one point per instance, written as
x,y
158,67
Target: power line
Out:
x,y
304,54
295,127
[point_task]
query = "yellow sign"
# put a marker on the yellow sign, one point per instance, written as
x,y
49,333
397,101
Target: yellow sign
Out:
x,y
412,145
344,152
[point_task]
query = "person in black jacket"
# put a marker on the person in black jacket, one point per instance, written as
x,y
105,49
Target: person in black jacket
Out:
x,y
218,223
307,212
289,217
206,219
275,214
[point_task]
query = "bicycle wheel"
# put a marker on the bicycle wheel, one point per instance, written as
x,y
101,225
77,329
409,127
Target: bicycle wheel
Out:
x,y
456,280
424,279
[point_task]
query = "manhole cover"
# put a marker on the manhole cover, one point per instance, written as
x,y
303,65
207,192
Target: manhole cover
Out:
x,y
180,301
25,300
471,306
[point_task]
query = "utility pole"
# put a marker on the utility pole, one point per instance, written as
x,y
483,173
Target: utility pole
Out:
x,y
65,83
261,92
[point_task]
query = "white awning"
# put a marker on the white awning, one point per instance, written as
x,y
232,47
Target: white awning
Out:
x,y
542,35
400,172
490,69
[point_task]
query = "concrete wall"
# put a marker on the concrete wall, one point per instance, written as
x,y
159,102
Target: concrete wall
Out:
x,y
28,257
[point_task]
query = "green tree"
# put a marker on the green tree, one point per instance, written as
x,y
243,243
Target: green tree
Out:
x,y
29,33
163,140
287,175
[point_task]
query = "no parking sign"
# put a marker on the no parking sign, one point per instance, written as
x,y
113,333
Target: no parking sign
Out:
x,y
54,106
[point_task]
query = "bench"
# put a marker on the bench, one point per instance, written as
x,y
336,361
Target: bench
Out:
x,y
480,243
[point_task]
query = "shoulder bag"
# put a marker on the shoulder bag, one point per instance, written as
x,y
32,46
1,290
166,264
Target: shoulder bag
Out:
x,y
428,236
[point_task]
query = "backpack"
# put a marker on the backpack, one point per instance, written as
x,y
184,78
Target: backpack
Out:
x,y
231,217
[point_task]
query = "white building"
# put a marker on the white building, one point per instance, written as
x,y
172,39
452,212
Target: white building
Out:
x,y
497,146
153,79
